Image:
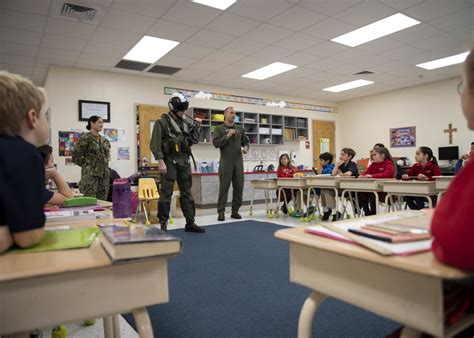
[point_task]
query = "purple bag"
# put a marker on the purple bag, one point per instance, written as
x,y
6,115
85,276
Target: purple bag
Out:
x,y
121,199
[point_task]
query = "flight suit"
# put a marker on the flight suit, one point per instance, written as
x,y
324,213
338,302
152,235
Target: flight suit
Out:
x,y
171,141
231,164
92,154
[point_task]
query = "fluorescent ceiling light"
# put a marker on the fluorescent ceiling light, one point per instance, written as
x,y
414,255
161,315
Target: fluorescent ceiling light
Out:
x,y
219,4
448,61
377,29
270,70
348,85
150,49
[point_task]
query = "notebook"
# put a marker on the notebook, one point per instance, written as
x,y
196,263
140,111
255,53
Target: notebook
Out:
x,y
63,240
369,232
69,215
123,242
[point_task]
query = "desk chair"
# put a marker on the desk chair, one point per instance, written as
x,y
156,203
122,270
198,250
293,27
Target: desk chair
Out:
x,y
147,192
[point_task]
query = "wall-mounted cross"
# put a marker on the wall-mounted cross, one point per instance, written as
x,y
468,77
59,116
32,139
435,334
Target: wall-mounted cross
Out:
x,y
450,131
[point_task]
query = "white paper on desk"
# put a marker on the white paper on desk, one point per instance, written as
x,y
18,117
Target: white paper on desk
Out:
x,y
403,249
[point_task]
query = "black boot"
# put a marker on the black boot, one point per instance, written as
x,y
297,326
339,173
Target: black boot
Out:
x,y
235,215
284,209
221,216
164,226
337,216
193,228
326,215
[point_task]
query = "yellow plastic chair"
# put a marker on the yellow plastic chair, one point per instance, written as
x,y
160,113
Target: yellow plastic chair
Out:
x,y
147,192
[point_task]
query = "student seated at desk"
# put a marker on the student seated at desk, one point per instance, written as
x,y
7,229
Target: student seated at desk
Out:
x,y
345,167
64,192
382,166
453,220
23,128
424,169
285,170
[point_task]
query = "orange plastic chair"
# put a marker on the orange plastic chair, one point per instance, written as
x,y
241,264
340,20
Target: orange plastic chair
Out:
x,y
147,192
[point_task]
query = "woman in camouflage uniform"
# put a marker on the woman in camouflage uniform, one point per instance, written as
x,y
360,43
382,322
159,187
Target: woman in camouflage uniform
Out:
x,y
92,153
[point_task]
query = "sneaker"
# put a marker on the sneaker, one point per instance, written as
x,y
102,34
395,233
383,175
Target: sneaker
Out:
x,y
221,216
326,215
337,216
284,209
236,215
164,226
193,228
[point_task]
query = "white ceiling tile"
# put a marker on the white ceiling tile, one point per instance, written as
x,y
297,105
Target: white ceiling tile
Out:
x,y
244,46
57,54
347,69
298,41
258,9
18,60
206,66
171,30
127,21
191,14
250,63
327,48
329,28
107,49
323,64
192,51
40,71
232,24
273,53
44,63
456,20
223,57
40,7
176,61
433,9
20,20
267,33
116,37
99,60
61,42
381,45
190,75
144,7
296,18
416,33
402,52
210,39
20,69
365,13
300,59
401,4
329,7
96,67
319,76
69,28
20,36
444,41
465,34
19,49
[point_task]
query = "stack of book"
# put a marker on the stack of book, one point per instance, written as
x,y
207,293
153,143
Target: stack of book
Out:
x,y
392,233
69,215
124,242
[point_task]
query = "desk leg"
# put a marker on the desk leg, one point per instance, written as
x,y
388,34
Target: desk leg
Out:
x,y
116,325
142,321
108,327
310,306
377,203
408,332
336,200
430,202
251,202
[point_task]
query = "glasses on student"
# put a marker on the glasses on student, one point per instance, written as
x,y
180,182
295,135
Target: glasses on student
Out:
x,y
460,88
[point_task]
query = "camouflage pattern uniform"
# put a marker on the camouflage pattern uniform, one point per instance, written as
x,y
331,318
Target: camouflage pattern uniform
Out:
x,y
171,141
231,164
92,155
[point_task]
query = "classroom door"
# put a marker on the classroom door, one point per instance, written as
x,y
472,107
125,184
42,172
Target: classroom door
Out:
x,y
324,135
148,115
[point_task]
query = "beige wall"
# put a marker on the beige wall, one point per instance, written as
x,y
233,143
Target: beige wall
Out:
x,y
430,108
67,85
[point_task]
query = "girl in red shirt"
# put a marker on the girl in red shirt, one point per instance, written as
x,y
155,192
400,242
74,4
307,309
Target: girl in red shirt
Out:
x,y
453,221
424,169
285,169
382,166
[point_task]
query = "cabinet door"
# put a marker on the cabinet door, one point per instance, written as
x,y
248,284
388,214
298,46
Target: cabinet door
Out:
x,y
148,115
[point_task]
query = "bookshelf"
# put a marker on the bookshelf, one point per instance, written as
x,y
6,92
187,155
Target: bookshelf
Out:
x,y
261,129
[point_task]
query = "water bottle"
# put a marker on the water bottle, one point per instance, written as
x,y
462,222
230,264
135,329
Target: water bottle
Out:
x,y
121,198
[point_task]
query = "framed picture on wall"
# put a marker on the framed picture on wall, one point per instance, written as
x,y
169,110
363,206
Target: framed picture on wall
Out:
x,y
91,108
403,137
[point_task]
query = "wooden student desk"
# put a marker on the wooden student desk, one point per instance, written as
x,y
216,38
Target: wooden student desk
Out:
x,y
361,184
323,182
295,183
406,289
424,189
442,183
44,289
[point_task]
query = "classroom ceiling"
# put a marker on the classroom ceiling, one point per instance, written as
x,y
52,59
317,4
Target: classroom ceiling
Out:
x,y
217,47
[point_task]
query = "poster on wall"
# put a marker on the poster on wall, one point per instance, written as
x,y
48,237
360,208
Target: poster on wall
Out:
x,y
403,137
121,135
123,153
323,145
67,141
111,134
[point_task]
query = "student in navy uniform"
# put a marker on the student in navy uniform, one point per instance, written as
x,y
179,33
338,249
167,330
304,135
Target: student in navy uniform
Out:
x,y
22,189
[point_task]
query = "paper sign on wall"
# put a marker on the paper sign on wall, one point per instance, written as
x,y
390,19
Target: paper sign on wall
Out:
x,y
123,153
324,145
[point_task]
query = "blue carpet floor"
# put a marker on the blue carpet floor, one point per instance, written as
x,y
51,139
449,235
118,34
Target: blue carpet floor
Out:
x,y
233,281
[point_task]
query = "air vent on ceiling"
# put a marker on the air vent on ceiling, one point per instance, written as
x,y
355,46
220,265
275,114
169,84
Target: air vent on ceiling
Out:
x,y
132,65
364,72
164,70
78,12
